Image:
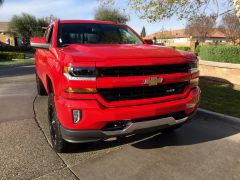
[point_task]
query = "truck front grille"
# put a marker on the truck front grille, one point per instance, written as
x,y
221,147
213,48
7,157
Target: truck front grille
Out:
x,y
143,92
142,70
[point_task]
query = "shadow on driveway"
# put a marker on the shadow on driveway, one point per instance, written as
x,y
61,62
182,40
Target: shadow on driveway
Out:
x,y
200,130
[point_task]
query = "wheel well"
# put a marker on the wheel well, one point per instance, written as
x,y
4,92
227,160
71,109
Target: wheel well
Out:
x,y
50,85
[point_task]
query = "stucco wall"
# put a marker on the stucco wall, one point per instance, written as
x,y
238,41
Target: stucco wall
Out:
x,y
225,71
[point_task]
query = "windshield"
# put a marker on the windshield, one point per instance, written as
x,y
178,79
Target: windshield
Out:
x,y
96,34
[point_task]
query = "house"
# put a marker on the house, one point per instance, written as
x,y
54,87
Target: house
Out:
x,y
179,38
5,38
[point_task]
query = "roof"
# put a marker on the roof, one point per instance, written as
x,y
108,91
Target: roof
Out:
x,y
180,33
3,26
88,21
217,34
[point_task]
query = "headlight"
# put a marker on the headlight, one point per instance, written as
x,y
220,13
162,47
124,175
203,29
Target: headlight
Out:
x,y
80,73
193,67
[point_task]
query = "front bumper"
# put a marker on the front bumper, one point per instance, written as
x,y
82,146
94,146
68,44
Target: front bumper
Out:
x,y
95,116
83,136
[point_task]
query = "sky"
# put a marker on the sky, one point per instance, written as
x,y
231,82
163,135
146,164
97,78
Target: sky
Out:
x,y
81,9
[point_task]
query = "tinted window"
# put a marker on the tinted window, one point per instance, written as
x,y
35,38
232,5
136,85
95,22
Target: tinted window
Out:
x,y
96,34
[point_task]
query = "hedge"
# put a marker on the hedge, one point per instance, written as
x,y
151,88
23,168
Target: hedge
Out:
x,y
197,50
184,48
228,54
15,49
6,56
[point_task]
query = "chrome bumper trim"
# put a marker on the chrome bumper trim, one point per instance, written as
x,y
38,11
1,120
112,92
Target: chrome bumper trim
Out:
x,y
133,126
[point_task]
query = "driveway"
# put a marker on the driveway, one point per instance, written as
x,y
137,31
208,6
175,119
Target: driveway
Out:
x,y
206,148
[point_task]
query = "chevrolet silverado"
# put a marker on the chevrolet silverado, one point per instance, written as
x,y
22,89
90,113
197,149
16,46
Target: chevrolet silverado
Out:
x,y
103,80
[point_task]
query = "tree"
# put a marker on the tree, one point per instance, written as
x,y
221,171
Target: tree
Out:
x,y
143,32
51,18
26,26
111,14
201,26
155,10
1,2
236,4
230,26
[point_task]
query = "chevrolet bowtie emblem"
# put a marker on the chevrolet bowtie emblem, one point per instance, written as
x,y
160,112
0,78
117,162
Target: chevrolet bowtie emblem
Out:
x,y
153,81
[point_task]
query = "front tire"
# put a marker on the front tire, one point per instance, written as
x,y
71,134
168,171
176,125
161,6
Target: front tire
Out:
x,y
40,87
58,143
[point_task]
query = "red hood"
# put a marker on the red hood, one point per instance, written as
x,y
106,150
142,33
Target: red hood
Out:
x,y
113,51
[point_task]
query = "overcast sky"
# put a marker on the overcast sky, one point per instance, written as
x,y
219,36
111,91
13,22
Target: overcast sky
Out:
x,y
79,9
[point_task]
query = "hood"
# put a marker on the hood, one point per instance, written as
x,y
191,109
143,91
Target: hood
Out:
x,y
117,51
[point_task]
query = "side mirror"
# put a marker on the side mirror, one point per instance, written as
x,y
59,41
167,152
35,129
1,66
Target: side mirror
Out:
x,y
148,41
39,43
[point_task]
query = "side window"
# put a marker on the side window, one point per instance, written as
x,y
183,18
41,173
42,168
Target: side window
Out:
x,y
49,35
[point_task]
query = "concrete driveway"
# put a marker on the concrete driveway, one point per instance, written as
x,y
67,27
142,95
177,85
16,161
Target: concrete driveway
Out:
x,y
207,148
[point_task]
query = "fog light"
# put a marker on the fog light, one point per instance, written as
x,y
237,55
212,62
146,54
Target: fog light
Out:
x,y
77,116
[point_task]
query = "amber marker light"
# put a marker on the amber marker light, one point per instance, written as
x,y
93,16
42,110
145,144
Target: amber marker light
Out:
x,y
66,69
81,90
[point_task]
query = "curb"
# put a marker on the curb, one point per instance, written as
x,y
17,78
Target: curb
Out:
x,y
223,117
219,64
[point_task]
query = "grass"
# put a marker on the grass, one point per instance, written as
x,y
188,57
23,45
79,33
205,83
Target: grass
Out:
x,y
220,97
17,62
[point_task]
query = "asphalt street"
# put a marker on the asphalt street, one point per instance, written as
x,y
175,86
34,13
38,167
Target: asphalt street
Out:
x,y
206,148
16,71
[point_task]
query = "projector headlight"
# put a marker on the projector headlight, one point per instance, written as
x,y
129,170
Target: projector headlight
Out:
x,y
80,73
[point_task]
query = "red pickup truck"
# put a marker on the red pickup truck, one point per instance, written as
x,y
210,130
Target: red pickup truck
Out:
x,y
103,80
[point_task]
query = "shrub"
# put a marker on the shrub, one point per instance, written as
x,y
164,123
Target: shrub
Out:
x,y
229,54
184,48
15,49
6,56
197,50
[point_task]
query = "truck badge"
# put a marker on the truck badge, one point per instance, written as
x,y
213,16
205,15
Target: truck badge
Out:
x,y
153,81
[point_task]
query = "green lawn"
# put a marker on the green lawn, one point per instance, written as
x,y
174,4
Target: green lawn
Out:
x,y
17,62
220,97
